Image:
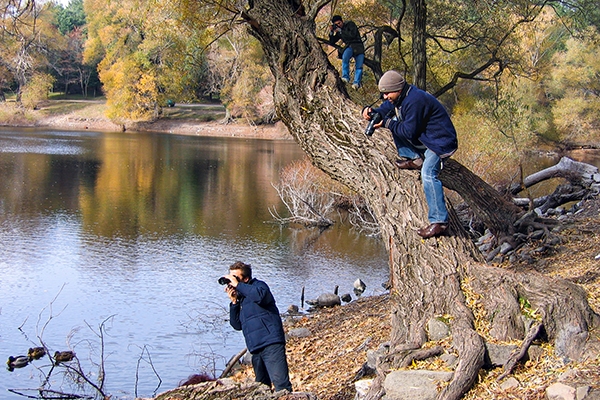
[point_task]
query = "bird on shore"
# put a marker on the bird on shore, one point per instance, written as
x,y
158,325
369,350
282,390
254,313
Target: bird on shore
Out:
x,y
359,287
17,362
63,356
35,353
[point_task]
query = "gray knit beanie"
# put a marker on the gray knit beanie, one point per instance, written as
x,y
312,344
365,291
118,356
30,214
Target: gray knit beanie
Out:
x,y
391,81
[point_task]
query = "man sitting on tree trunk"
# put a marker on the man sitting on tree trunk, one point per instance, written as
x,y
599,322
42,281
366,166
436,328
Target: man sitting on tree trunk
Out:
x,y
424,136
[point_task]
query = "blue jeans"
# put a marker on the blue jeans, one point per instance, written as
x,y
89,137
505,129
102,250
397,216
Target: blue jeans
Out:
x,y
270,366
430,171
359,59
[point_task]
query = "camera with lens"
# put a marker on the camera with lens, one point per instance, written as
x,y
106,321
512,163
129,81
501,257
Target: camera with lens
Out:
x,y
375,119
224,281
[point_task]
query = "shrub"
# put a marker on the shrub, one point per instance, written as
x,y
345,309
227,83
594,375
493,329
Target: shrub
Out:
x,y
36,90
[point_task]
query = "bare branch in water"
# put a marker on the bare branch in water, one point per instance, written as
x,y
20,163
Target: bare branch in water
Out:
x,y
137,369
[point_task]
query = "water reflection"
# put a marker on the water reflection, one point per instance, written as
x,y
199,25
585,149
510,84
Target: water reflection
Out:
x,y
132,231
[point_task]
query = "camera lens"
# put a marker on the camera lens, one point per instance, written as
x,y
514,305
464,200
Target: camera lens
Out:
x,y
375,119
223,281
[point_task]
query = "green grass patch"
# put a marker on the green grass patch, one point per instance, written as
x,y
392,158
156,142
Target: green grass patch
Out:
x,y
51,108
204,113
62,96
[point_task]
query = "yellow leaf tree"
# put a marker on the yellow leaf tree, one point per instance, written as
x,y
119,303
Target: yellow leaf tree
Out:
x,y
27,37
147,56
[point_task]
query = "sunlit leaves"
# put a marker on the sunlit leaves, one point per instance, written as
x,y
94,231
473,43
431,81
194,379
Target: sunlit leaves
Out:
x,y
149,38
246,81
36,90
27,37
575,89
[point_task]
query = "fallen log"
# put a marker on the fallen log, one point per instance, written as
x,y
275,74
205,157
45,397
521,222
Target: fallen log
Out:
x,y
577,173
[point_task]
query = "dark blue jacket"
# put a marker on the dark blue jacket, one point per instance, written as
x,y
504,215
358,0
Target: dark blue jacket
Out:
x,y
421,118
256,315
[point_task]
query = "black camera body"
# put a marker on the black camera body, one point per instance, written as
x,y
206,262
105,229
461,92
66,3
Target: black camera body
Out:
x,y
375,119
225,281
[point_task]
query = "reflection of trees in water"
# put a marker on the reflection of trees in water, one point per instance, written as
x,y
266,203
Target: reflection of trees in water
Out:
x,y
123,185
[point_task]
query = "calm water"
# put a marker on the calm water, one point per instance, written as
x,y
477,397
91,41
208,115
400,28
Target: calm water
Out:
x,y
129,233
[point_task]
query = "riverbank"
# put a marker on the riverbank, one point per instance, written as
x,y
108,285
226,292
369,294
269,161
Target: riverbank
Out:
x,y
184,119
328,359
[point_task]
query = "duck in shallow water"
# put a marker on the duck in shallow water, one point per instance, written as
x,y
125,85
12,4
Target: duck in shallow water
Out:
x,y
35,353
63,356
17,362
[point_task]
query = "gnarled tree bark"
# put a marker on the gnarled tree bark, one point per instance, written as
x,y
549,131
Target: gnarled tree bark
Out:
x,y
426,276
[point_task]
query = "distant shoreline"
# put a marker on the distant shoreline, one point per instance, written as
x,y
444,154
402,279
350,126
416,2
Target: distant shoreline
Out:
x,y
92,118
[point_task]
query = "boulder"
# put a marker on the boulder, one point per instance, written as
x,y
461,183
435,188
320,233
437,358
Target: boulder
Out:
x,y
437,329
299,332
414,384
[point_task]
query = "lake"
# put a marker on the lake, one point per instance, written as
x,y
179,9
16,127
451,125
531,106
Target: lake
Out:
x,y
111,245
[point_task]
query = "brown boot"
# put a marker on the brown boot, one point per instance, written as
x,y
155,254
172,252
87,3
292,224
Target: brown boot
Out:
x,y
432,230
409,164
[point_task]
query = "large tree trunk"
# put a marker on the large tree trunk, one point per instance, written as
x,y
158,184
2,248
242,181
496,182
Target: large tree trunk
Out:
x,y
426,276
419,53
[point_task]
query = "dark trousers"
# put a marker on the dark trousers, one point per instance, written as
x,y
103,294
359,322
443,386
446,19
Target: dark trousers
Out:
x,y
270,366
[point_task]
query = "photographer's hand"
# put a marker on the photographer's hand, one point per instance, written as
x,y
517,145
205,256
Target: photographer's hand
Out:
x,y
232,293
365,113
233,280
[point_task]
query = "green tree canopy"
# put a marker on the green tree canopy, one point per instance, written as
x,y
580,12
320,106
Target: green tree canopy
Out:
x,y
70,17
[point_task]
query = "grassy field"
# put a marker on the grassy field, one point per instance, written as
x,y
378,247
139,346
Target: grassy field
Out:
x,y
81,107
194,112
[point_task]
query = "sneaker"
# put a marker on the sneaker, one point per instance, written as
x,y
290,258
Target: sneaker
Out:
x,y
356,86
345,80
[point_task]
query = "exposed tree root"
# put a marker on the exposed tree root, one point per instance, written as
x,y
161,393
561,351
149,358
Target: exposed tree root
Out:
x,y
522,350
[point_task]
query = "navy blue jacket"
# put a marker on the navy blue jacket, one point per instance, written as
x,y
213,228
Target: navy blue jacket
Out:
x,y
421,118
256,315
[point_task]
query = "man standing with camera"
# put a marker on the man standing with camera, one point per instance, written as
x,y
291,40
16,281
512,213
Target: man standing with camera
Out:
x,y
349,34
424,136
253,311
